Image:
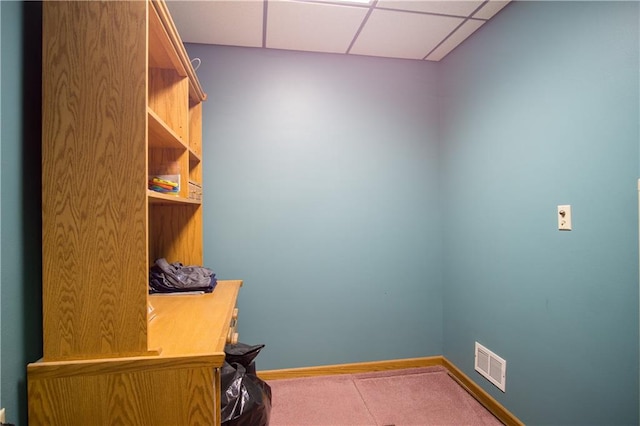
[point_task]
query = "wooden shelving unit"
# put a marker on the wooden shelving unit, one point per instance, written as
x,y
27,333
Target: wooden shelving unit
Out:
x,y
120,99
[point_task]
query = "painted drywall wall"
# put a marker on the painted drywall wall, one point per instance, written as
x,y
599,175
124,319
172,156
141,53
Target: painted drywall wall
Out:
x,y
321,184
595,292
21,305
541,110
11,138
0,215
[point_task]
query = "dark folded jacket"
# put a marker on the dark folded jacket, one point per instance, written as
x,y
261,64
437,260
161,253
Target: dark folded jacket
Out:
x,y
175,277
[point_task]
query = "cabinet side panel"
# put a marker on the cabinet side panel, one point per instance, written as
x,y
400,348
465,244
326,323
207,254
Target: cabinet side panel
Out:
x,y
195,141
195,130
94,174
218,397
161,397
195,174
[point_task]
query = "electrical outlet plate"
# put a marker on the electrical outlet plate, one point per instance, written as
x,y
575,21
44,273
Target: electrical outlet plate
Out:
x,y
564,217
2,416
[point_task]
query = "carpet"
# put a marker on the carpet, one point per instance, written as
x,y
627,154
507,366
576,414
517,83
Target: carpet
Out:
x,y
410,397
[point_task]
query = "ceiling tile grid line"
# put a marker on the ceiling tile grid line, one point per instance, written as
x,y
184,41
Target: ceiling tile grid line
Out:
x,y
400,35
449,15
364,22
467,28
393,5
265,13
444,39
407,29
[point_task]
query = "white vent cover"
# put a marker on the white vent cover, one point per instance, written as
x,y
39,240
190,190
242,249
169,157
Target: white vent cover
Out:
x,y
491,366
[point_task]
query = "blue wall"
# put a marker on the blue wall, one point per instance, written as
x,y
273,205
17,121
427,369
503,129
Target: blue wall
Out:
x,y
365,199
1,331
323,196
542,109
21,302
365,203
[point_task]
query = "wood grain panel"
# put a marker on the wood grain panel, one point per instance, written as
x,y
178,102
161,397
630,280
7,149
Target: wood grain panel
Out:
x,y
92,367
195,90
195,142
159,198
195,135
195,170
353,368
108,117
162,397
175,233
193,324
161,135
94,200
162,52
169,98
218,397
64,401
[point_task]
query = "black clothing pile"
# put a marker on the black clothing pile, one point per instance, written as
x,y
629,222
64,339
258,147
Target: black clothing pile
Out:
x,y
165,277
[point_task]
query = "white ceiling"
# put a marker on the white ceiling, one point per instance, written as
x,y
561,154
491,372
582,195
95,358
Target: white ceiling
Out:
x,y
409,29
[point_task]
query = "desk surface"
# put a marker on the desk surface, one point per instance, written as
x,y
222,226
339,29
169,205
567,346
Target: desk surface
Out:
x,y
187,325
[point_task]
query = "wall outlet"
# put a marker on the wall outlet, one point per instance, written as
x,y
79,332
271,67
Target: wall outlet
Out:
x,y
2,416
564,217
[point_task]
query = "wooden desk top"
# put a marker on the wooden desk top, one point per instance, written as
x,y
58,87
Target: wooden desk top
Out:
x,y
187,325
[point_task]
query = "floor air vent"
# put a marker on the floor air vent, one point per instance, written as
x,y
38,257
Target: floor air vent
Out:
x,y
491,366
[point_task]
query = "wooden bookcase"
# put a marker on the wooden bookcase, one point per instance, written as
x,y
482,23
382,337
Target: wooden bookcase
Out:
x,y
120,99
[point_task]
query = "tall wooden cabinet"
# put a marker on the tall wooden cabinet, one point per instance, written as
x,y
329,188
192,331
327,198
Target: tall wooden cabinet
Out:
x,y
121,101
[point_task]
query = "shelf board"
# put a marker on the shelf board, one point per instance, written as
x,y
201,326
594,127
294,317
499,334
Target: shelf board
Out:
x,y
159,198
161,135
193,157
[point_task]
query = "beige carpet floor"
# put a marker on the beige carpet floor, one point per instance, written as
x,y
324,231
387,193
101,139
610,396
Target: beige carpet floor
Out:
x,y
411,397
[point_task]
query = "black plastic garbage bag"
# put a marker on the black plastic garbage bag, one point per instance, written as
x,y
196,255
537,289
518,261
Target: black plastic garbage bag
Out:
x,y
243,354
246,399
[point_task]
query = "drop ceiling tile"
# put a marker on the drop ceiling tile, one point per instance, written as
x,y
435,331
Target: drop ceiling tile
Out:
x,y
456,38
312,26
403,35
228,22
445,7
490,9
